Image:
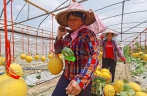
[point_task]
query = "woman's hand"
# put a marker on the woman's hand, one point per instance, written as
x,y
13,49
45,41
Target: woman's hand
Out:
x,y
73,88
124,60
61,32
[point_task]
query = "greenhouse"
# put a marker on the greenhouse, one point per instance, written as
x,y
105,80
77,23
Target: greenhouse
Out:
x,y
73,47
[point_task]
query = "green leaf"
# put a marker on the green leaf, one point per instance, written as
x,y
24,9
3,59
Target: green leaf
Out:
x,y
123,94
127,90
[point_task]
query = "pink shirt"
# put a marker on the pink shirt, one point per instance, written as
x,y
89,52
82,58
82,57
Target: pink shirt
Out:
x,y
75,33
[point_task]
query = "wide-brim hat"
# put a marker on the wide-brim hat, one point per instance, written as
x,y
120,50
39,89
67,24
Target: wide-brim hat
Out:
x,y
61,17
109,31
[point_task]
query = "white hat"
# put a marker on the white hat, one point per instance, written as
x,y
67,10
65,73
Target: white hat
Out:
x,y
109,31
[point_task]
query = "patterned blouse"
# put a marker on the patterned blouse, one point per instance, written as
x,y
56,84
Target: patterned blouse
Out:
x,y
85,50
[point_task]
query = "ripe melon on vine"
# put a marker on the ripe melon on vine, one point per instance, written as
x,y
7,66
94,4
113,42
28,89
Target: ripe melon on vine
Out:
x,y
22,56
12,87
36,57
55,65
145,57
50,56
17,69
2,60
43,58
29,58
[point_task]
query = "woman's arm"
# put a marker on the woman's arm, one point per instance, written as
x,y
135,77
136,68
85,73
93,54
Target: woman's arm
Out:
x,y
58,45
119,52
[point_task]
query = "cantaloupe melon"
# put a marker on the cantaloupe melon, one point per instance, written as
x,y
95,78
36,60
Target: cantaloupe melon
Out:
x,y
55,65
141,94
109,90
12,87
22,56
36,57
29,58
17,69
43,58
135,86
118,86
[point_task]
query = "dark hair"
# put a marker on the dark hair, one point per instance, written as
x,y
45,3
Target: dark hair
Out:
x,y
77,14
111,33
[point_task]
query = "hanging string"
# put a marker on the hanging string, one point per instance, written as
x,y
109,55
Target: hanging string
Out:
x,y
140,43
28,41
0,44
133,47
145,41
36,43
22,41
52,30
7,46
42,43
12,33
49,43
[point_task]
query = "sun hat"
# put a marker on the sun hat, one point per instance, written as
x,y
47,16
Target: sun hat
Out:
x,y
98,26
109,31
61,17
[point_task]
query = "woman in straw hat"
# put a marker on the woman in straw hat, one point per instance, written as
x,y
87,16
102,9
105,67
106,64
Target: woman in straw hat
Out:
x,y
110,52
77,75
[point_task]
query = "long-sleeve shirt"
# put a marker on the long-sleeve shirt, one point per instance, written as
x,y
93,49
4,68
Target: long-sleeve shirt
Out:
x,y
116,50
85,50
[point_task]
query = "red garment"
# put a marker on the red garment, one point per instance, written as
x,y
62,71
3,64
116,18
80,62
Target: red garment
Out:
x,y
109,50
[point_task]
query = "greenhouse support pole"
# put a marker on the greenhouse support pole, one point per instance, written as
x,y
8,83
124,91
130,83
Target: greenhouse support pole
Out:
x,y
122,18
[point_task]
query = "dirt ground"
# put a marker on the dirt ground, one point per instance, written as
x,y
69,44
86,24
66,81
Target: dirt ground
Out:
x,y
46,88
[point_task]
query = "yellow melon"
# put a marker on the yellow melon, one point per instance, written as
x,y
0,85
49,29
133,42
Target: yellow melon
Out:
x,y
55,65
141,94
106,75
140,53
22,56
29,58
36,57
133,55
12,87
118,86
50,56
109,90
101,54
43,58
135,86
137,55
17,69
98,73
145,57
104,70
3,77
2,61
98,68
